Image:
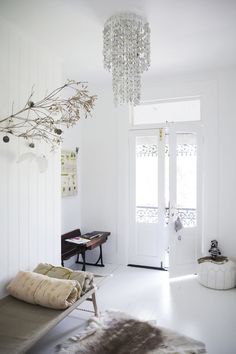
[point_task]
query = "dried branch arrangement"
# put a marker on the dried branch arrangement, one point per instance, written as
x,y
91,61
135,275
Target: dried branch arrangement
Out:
x,y
45,119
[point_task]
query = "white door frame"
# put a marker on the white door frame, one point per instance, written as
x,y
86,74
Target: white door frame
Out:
x,y
194,127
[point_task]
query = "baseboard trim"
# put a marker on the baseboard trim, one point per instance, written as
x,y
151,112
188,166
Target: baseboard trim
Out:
x,y
146,267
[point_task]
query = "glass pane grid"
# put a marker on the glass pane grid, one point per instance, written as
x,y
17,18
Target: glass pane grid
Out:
x,y
146,215
149,215
186,160
188,216
146,179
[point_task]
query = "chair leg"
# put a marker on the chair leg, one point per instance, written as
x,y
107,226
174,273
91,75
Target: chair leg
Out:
x,y
95,305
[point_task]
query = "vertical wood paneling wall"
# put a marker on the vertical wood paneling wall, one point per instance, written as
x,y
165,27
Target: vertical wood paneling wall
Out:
x,y
29,200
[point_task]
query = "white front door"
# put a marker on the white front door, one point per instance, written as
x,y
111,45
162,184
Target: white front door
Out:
x,y
148,241
184,228
165,186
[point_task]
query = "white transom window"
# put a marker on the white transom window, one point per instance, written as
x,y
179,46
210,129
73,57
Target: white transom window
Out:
x,y
162,111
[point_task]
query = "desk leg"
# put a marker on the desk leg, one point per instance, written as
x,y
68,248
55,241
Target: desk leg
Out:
x,y
100,257
84,261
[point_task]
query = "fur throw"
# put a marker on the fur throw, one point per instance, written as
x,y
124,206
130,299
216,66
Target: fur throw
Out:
x,y
118,333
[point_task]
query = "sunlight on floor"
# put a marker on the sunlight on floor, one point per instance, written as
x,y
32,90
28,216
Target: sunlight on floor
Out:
x,y
182,278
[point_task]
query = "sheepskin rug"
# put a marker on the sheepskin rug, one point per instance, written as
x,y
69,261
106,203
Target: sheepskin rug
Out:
x,y
115,332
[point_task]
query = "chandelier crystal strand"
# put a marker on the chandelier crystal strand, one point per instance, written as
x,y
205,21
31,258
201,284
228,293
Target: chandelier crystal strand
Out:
x,y
126,51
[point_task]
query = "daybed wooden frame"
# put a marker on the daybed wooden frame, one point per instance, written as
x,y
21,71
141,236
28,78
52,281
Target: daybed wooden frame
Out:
x,y
23,324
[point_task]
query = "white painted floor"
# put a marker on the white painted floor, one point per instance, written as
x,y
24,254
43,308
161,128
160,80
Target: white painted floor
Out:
x,y
181,304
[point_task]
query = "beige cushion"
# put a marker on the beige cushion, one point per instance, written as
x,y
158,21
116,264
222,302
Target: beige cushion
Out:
x,y
84,279
41,290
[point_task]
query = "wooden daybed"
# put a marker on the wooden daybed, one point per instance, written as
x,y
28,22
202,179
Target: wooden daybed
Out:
x,y
23,324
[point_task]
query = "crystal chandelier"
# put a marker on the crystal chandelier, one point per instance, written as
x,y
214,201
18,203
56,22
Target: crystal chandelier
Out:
x,y
126,50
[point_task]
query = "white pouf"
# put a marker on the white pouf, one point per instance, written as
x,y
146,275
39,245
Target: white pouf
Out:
x,y
217,275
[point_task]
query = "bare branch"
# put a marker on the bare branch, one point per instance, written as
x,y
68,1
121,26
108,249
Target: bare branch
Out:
x,y
46,118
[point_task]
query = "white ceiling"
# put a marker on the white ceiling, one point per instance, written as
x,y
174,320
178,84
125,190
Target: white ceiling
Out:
x,y
187,36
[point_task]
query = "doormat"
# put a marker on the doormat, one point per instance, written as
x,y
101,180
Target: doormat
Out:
x,y
147,267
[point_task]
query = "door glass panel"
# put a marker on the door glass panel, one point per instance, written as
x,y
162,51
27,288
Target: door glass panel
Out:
x,y
146,179
186,159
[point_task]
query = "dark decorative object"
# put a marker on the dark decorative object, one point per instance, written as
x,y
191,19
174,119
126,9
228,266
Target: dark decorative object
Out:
x,y
178,224
214,250
44,119
58,131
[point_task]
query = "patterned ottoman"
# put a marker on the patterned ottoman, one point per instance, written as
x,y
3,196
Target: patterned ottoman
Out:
x,y
219,273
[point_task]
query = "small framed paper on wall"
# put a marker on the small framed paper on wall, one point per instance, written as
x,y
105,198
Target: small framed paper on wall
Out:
x,y
68,173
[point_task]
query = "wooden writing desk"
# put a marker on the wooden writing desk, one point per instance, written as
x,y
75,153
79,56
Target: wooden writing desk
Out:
x,y
69,249
93,243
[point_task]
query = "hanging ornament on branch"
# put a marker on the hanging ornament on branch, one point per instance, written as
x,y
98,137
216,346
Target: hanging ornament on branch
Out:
x,y
45,119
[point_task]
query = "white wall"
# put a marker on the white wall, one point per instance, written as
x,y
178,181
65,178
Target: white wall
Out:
x,y
101,175
71,206
227,165
104,165
102,201
29,200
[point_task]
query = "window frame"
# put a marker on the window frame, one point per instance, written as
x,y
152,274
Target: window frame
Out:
x,y
163,124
